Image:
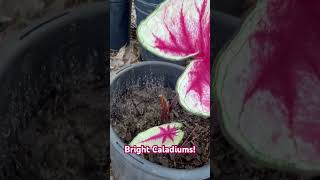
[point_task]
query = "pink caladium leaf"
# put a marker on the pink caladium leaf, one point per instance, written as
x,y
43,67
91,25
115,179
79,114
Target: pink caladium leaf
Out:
x,y
178,30
269,84
166,134
291,71
194,87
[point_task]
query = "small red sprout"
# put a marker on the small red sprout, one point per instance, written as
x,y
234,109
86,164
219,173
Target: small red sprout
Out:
x,y
167,106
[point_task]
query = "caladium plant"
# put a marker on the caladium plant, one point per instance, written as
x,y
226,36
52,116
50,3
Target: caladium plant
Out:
x,y
180,30
268,85
166,134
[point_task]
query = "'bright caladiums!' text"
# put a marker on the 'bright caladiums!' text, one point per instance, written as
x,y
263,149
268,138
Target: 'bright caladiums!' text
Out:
x,y
159,150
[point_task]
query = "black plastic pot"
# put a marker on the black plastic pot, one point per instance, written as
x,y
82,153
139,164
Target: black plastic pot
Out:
x,y
43,54
232,7
224,27
145,7
120,16
131,166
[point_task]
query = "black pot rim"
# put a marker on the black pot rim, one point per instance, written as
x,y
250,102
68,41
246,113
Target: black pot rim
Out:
x,y
139,162
19,42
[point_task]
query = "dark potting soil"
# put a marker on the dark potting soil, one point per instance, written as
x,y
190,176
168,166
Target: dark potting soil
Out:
x,y
139,109
227,163
66,138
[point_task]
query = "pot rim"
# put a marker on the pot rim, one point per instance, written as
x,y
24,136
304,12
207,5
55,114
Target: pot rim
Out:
x,y
19,41
136,160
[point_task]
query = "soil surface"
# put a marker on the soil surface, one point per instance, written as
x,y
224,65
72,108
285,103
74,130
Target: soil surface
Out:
x,y
66,139
139,109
